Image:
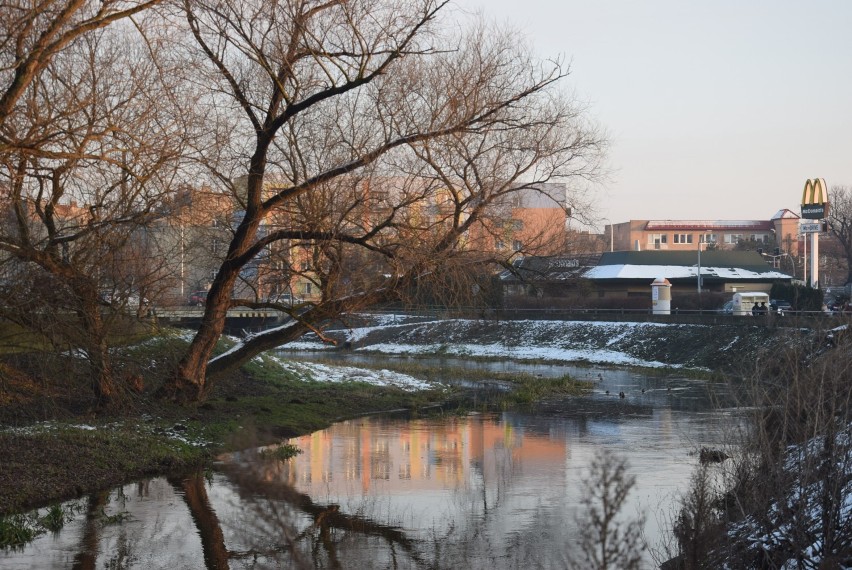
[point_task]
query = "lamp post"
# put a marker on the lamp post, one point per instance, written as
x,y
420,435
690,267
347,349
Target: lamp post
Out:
x,y
698,276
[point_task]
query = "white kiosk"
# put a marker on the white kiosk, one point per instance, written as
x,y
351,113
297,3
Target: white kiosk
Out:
x,y
661,296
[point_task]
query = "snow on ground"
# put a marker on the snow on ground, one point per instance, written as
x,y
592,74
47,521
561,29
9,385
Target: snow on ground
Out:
x,y
805,496
308,345
596,356
326,373
536,340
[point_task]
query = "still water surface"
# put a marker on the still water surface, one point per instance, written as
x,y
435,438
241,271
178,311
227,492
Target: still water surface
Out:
x,y
473,491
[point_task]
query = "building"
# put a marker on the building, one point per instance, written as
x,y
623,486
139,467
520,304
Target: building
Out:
x,y
553,276
630,273
195,229
781,231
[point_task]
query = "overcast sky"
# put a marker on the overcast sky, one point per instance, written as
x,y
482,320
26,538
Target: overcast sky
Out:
x,y
715,110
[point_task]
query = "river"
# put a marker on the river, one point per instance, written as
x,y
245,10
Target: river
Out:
x,y
495,490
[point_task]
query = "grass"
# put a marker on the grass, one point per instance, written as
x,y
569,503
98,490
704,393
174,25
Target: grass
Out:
x,y
525,386
65,462
281,452
260,404
18,529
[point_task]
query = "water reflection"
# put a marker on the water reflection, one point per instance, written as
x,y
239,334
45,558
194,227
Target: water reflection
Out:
x,y
476,491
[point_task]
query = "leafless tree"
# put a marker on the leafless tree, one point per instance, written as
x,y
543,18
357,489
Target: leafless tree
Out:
x,y
606,540
32,34
91,146
332,92
840,223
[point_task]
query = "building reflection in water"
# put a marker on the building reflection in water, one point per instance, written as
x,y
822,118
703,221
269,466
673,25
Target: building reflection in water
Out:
x,y
376,456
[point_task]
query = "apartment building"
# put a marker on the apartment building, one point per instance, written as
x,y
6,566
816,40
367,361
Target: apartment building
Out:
x,y
199,223
532,221
780,231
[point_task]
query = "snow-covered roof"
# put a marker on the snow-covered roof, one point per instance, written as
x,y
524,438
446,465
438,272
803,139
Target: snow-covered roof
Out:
x,y
651,272
723,265
786,214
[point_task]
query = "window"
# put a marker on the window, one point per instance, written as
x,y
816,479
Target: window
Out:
x,y
517,245
214,247
733,238
707,238
517,225
657,240
499,245
683,238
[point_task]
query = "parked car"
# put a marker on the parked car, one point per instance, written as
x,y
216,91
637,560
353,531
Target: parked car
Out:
x,y
780,306
727,308
197,298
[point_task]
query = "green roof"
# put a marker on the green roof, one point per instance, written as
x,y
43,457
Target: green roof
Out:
x,y
714,258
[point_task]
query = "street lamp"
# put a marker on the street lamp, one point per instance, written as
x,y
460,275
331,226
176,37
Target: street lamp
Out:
x,y
698,276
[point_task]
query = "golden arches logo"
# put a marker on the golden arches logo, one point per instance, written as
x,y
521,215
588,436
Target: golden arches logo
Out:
x,y
815,200
815,192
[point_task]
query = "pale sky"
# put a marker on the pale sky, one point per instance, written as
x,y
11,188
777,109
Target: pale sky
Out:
x,y
714,110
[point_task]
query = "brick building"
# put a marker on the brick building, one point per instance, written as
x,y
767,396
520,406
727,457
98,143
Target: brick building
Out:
x,y
780,231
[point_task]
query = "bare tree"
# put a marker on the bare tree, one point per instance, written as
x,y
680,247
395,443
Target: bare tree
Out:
x,y
331,92
606,540
91,148
840,223
32,34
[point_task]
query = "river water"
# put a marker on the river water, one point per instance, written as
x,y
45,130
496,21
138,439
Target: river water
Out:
x,y
492,491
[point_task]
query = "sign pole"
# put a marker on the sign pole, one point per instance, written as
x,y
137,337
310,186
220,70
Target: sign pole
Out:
x,y
814,260
814,207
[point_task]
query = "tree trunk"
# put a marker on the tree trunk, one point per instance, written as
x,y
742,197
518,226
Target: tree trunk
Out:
x,y
209,530
189,383
97,348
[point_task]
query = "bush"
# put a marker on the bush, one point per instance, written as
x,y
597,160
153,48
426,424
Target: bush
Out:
x,y
803,298
786,502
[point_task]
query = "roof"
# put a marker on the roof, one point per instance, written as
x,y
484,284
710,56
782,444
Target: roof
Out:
x,y
673,265
709,225
550,268
785,214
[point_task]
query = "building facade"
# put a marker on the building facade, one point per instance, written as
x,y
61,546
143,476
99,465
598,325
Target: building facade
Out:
x,y
781,231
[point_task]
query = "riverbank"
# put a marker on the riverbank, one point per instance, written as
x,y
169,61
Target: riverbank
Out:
x,y
54,446
725,349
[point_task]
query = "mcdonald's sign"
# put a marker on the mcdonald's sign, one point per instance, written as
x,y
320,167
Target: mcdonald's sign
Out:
x,y
815,200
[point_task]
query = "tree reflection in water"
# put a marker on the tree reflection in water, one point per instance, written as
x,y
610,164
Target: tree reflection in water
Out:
x,y
480,491
477,471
